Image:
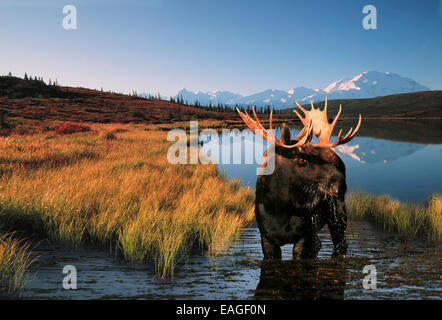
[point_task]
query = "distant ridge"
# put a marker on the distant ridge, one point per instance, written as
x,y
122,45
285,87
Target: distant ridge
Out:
x,y
27,101
421,105
368,84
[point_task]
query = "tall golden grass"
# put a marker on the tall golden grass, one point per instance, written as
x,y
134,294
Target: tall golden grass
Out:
x,y
405,218
121,193
14,260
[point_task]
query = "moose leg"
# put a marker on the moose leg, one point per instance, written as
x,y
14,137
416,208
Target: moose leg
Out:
x,y
270,249
311,246
310,243
297,249
337,225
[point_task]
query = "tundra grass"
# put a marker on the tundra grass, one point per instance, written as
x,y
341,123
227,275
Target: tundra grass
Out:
x,y
121,193
393,216
205,124
14,261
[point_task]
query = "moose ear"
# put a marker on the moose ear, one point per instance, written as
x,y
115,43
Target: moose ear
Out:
x,y
285,135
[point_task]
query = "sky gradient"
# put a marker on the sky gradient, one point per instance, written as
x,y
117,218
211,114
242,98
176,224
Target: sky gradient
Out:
x,y
240,46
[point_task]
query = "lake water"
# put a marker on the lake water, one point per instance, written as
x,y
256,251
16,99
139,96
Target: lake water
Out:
x,y
406,171
405,270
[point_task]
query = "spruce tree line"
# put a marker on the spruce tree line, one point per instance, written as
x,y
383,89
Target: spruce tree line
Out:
x,y
219,107
40,79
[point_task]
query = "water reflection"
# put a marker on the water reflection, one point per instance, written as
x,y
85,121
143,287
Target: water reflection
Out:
x,y
405,271
406,171
369,150
302,280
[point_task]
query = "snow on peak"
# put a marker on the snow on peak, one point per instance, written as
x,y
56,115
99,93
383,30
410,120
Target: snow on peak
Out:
x,y
331,86
344,84
370,84
367,84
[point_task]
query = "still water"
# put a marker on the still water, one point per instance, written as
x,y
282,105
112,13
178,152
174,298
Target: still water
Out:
x,y
406,171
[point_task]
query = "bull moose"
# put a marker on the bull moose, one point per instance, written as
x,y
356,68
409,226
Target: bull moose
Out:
x,y
307,188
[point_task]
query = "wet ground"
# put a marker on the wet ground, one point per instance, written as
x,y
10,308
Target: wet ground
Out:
x,y
404,270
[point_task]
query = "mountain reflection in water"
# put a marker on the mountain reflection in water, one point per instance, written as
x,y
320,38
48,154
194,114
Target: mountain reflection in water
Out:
x,y
404,170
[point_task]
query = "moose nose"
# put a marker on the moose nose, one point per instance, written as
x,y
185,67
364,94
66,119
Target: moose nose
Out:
x,y
335,187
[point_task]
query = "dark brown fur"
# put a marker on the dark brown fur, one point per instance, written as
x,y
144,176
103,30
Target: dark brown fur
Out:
x,y
305,192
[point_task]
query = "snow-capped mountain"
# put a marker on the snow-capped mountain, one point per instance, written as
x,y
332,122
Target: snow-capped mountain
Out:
x,y
368,84
205,98
372,84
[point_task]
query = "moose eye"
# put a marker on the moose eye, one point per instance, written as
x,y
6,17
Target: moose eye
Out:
x,y
302,162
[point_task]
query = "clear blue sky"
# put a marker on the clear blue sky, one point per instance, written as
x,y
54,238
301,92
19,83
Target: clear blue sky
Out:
x,y
237,45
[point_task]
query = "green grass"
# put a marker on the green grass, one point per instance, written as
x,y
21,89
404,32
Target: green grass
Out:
x,y
402,217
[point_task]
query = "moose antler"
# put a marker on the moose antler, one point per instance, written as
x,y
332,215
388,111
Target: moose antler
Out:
x,y
322,129
257,127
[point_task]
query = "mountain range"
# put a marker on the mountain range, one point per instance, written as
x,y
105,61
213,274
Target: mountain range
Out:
x,y
368,84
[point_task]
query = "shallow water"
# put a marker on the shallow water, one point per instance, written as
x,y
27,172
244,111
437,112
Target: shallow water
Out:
x,y
404,271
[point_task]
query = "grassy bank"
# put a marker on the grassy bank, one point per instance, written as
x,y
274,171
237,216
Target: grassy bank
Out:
x,y
114,186
14,261
393,216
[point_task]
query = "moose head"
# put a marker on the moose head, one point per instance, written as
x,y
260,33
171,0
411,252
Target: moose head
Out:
x,y
306,189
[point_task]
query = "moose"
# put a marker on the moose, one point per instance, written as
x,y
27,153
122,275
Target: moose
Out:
x,y
306,191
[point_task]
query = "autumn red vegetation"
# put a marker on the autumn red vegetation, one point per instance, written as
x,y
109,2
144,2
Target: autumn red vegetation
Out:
x,y
69,128
85,105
